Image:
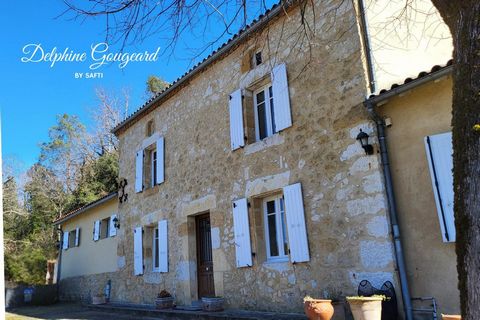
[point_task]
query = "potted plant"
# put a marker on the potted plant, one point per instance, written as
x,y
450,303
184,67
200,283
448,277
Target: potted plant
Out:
x,y
212,303
99,298
366,308
318,309
164,300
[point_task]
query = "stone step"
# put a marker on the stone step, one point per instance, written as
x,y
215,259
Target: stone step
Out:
x,y
178,314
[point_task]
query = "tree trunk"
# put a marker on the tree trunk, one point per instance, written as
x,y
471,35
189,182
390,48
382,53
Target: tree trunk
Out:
x,y
463,19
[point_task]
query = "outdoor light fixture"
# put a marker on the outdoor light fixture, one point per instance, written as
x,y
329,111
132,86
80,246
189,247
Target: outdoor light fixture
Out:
x,y
116,223
363,138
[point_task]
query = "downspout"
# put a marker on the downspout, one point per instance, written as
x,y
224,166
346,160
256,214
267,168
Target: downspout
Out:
x,y
392,209
366,45
59,264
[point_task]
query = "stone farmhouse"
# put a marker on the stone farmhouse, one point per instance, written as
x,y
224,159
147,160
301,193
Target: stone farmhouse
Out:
x,y
245,179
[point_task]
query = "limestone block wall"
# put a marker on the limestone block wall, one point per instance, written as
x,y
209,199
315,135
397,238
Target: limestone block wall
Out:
x,y
343,195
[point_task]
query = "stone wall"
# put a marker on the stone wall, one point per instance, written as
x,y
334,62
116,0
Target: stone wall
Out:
x,y
343,195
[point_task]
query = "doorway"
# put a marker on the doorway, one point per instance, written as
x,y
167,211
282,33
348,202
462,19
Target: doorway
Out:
x,y
206,285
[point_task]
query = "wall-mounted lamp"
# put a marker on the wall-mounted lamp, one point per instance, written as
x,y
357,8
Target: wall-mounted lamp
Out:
x,y
363,138
116,223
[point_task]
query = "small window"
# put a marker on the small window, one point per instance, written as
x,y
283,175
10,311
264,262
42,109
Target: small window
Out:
x,y
156,261
71,238
258,58
153,168
150,128
104,228
275,229
264,113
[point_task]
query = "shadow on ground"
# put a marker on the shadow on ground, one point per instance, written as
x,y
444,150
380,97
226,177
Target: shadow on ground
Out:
x,y
67,311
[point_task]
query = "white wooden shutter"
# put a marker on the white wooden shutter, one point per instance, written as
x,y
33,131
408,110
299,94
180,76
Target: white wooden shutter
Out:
x,y
241,229
96,230
65,240
440,161
237,136
297,231
160,161
112,231
163,246
77,237
137,251
139,171
281,98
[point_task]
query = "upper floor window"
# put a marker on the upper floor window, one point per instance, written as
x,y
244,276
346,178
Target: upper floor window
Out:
x,y
150,128
71,238
149,166
258,58
153,173
275,229
253,114
105,228
264,113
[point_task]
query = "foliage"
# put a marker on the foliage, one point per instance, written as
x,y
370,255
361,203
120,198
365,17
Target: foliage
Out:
x,y
28,265
74,168
98,178
164,294
156,85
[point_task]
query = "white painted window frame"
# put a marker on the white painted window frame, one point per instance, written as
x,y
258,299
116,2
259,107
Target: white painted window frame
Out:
x,y
268,108
153,164
281,228
156,237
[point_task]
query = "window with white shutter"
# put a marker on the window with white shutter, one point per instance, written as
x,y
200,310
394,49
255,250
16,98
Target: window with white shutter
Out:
x,y
65,240
163,246
282,114
77,237
440,161
159,161
241,227
237,135
96,230
138,251
295,216
111,229
139,171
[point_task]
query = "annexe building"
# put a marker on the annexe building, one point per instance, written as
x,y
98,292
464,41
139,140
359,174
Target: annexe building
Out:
x,y
419,113
88,247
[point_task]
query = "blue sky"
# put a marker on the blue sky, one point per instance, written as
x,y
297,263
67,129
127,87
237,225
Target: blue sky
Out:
x,y
32,94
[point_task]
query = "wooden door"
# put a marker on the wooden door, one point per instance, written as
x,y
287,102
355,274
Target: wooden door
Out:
x,y
204,257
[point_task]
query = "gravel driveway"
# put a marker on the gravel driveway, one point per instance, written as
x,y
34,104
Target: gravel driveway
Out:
x,y
66,311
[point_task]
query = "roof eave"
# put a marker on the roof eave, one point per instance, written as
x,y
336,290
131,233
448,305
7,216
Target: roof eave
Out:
x,y
85,208
241,36
376,100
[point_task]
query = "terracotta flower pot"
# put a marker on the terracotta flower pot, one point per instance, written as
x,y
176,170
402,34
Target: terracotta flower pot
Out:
x,y
366,308
318,309
451,317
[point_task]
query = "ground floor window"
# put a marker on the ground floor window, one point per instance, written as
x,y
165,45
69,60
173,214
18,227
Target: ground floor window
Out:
x,y
275,228
156,260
